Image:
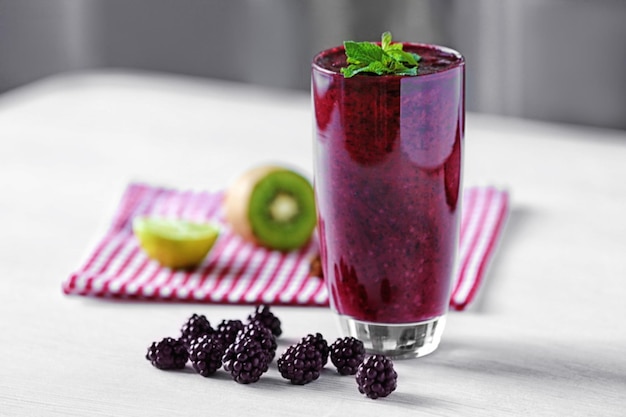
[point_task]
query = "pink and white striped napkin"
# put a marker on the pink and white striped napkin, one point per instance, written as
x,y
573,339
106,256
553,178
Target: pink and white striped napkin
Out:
x,y
236,272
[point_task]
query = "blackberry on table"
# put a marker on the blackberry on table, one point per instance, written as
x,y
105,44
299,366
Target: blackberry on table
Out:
x,y
263,315
376,377
205,354
301,363
194,327
227,331
320,343
169,353
261,334
246,360
347,354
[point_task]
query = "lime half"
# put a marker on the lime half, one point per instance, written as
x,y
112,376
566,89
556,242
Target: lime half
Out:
x,y
175,243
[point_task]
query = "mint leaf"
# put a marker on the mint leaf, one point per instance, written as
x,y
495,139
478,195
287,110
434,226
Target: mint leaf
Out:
x,y
407,71
362,52
401,56
386,40
374,67
386,58
350,70
394,47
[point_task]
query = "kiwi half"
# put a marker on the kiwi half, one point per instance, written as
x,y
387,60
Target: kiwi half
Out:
x,y
272,207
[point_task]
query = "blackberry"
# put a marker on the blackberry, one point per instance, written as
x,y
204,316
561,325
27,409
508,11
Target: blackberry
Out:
x,y
376,377
261,334
301,363
320,343
227,331
246,360
193,328
169,353
205,354
347,354
263,315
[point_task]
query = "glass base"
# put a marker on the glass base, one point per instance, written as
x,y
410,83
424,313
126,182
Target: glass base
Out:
x,y
407,340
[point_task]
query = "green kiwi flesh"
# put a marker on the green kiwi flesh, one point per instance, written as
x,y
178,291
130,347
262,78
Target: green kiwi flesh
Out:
x,y
282,210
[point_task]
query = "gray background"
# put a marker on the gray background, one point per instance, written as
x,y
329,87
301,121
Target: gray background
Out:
x,y
556,60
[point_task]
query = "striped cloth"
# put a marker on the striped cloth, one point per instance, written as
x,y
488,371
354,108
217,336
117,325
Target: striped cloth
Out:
x,y
236,272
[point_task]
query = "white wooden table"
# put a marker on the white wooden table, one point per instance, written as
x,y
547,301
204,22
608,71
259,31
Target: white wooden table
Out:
x,y
547,335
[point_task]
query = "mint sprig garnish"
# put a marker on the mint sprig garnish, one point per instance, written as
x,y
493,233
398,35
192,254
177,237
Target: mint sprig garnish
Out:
x,y
386,58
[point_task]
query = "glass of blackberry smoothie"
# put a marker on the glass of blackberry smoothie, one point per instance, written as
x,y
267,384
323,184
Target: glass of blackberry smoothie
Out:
x,y
388,167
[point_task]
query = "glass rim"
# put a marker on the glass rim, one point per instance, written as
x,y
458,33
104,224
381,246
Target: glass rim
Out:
x,y
315,65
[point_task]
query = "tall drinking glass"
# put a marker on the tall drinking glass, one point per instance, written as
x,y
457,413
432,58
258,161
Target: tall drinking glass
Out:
x,y
387,174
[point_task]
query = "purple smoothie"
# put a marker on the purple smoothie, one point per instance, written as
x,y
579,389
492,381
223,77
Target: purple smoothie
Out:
x,y
388,183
